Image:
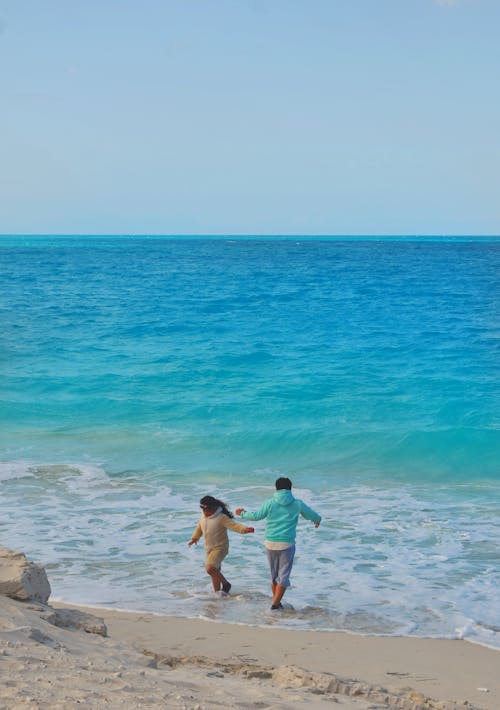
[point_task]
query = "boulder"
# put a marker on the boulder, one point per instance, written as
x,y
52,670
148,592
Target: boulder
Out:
x,y
22,579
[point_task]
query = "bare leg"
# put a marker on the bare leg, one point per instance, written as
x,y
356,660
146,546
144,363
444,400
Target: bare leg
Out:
x,y
218,579
278,592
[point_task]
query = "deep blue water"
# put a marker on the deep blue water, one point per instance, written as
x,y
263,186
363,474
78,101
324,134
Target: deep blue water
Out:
x,y
138,374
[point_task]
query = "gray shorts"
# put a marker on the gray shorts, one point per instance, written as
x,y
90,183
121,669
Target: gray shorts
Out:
x,y
280,564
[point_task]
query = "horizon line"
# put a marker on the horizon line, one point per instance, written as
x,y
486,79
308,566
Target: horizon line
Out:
x,y
249,235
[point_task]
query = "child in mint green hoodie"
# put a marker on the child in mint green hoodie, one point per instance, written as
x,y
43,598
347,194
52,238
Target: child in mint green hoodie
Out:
x,y
282,512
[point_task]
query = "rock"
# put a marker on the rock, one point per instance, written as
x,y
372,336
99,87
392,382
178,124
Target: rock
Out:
x,y
75,619
293,677
22,579
257,673
34,634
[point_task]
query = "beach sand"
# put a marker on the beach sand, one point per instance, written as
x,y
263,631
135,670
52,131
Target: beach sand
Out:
x,y
149,661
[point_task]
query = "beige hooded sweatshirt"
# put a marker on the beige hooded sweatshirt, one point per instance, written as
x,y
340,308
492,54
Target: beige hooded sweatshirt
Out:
x,y
214,530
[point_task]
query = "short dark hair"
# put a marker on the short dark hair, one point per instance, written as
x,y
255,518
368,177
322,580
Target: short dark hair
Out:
x,y
283,484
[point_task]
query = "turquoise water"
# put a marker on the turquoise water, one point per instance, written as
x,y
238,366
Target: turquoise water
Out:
x,y
139,374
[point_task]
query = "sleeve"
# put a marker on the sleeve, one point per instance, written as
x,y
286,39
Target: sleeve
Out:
x,y
198,532
308,513
263,512
233,525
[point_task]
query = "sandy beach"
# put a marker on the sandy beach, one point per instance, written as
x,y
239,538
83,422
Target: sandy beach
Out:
x,y
57,656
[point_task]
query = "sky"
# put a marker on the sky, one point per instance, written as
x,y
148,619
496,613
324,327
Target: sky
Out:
x,y
320,117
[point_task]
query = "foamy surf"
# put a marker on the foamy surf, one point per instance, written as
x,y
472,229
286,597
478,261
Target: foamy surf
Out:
x,y
390,561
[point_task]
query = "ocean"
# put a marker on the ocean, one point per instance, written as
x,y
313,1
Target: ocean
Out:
x,y
140,373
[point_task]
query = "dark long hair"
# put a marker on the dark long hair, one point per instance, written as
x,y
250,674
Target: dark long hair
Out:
x,y
213,503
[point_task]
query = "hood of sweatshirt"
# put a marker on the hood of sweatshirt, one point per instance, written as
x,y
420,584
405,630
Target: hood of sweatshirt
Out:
x,y
283,497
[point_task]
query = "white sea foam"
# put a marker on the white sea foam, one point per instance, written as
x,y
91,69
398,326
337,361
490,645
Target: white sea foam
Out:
x,y
392,560
17,469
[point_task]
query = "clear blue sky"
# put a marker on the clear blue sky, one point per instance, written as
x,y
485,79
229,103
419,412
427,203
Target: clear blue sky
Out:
x,y
250,116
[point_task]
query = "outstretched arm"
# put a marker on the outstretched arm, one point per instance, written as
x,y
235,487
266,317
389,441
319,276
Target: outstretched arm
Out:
x,y
256,515
309,514
237,527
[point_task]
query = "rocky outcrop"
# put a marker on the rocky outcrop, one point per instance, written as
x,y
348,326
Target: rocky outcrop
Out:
x,y
77,620
22,579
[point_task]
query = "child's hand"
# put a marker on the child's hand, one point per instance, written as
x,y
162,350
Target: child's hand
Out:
x,y
192,542
239,511
249,530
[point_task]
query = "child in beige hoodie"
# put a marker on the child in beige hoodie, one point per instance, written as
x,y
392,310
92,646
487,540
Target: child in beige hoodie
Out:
x,y
215,520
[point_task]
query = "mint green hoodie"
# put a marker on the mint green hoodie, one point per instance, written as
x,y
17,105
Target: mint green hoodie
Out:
x,y
282,512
